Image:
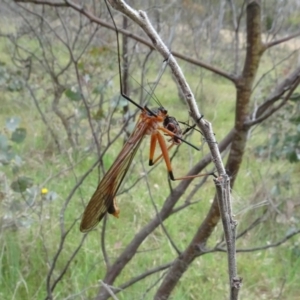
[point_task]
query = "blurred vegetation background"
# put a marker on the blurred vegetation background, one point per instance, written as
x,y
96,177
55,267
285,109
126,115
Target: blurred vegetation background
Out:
x,y
63,123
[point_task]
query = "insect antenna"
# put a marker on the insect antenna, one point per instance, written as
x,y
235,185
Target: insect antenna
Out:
x,y
193,127
119,65
157,80
189,128
150,94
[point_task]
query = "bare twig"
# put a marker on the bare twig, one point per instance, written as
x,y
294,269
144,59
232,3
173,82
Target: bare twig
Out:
x,y
264,111
144,275
97,20
109,290
229,225
282,40
259,248
157,213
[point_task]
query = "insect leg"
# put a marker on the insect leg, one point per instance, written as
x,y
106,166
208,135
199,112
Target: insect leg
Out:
x,y
154,161
165,154
152,149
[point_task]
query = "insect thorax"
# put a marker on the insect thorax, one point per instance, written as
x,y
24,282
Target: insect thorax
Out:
x,y
172,125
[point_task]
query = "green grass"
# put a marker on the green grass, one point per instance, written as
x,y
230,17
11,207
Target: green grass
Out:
x,y
27,253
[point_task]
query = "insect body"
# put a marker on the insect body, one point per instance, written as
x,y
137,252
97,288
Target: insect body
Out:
x,y
151,122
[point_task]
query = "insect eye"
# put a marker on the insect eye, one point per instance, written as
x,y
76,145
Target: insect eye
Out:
x,y
163,110
171,127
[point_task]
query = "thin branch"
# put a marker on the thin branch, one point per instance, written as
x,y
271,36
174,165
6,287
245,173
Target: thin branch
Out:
x,y
229,224
67,265
264,111
280,41
43,117
97,20
273,245
109,289
144,275
158,215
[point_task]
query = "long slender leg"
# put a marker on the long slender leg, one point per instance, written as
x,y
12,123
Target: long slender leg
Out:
x,y
172,134
161,155
165,155
152,149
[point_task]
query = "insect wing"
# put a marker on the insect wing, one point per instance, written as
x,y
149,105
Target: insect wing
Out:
x,y
103,198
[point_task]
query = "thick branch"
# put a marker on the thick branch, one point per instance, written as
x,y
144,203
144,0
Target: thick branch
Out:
x,y
244,88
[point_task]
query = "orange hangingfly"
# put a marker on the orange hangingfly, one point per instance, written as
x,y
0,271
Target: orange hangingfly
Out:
x,y
103,200
156,123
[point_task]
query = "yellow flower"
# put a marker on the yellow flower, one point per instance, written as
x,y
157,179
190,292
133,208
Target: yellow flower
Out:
x,y
44,191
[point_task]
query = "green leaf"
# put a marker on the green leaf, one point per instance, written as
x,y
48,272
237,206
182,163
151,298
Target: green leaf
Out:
x,y
82,113
295,97
81,65
3,158
16,164
295,253
73,95
275,190
12,123
50,196
18,161
295,120
3,142
292,157
290,231
15,169
99,114
291,140
274,140
15,85
260,150
21,184
4,75
99,89
32,193
19,135
6,155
